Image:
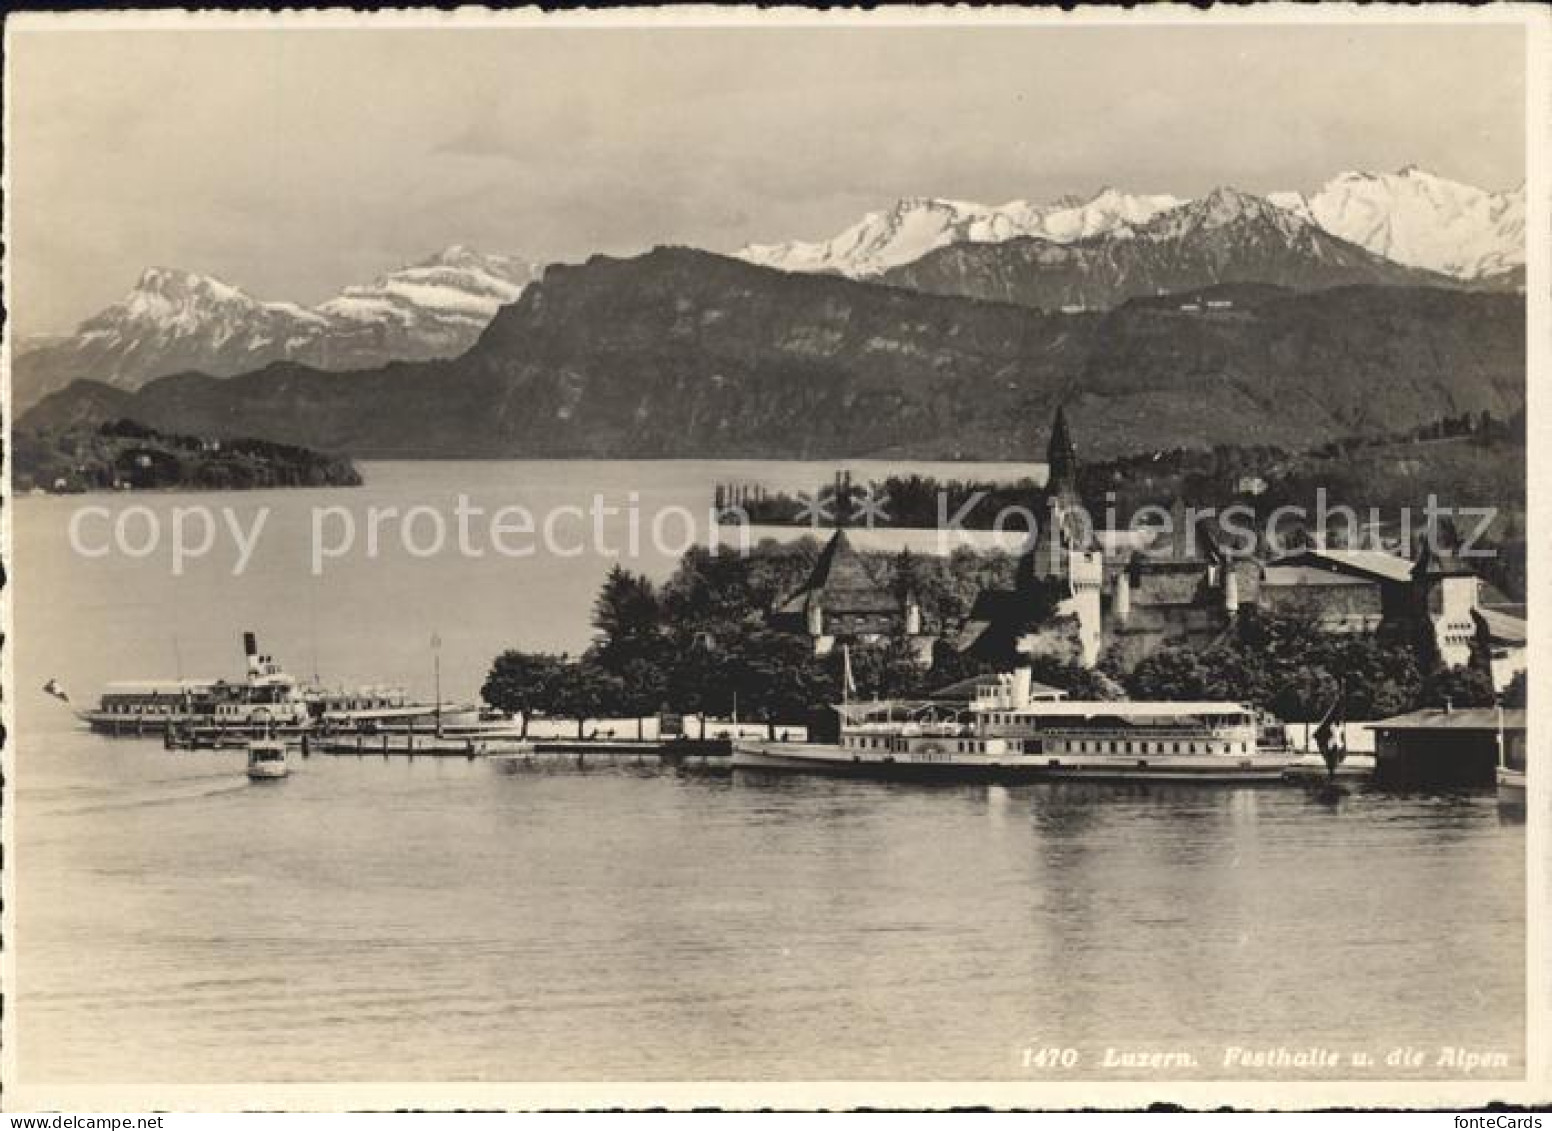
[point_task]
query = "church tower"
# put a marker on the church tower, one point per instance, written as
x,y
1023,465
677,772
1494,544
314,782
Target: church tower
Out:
x,y
1063,524
1063,568
1062,458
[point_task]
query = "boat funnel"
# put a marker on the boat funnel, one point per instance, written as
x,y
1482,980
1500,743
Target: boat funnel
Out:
x,y
251,650
1023,678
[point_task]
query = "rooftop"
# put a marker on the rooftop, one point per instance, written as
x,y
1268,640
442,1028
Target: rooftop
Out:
x,y
1375,564
1125,708
843,583
1501,627
1462,718
1302,575
965,689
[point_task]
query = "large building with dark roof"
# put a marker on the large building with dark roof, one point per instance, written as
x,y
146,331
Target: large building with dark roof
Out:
x,y
1082,594
842,601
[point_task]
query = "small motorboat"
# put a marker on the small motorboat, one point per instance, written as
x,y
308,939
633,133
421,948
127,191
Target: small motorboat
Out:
x,y
267,759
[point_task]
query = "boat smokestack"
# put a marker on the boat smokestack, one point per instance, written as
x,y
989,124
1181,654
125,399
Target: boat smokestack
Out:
x,y
251,650
1023,678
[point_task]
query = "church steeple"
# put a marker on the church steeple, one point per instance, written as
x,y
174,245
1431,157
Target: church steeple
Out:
x,y
1061,457
1062,527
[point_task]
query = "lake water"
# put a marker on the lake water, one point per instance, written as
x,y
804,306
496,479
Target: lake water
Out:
x,y
373,919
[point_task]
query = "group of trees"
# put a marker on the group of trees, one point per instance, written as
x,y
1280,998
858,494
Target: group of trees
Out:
x,y
1289,666
700,644
125,453
904,501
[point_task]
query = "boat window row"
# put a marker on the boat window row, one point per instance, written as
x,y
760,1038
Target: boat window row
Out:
x,y
868,742
1096,746
138,707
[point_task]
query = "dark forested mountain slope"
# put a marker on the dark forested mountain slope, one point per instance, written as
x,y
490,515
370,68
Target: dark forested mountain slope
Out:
x,y
685,353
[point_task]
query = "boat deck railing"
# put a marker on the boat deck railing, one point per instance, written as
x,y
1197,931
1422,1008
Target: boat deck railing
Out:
x,y
1014,730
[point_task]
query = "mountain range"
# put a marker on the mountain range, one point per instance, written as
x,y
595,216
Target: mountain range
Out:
x,y
174,320
1421,220
684,353
914,226
925,316
1414,217
1225,237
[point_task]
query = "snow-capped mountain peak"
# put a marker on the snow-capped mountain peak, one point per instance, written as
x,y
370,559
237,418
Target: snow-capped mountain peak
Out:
x,y
913,226
1223,207
175,280
163,290
174,320
1414,216
441,297
174,303
1421,219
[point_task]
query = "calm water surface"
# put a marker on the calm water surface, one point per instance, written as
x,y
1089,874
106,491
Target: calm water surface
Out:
x,y
369,919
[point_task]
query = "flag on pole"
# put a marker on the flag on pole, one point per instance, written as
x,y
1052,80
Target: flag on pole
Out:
x,y
436,640
849,683
53,688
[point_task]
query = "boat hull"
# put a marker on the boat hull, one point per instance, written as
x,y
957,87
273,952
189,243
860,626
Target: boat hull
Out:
x,y
838,761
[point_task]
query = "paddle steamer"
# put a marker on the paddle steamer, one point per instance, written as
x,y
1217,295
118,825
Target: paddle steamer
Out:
x,y
266,701
1006,733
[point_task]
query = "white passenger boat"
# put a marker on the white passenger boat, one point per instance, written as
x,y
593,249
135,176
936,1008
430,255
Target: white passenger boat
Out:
x,y
1004,733
267,700
267,759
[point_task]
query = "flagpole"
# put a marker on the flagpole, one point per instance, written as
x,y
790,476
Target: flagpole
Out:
x,y
436,677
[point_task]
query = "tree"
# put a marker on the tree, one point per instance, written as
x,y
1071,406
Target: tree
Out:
x,y
881,671
1458,687
582,691
643,687
628,617
1304,695
777,678
1169,674
1515,694
521,682
950,666
697,681
1381,677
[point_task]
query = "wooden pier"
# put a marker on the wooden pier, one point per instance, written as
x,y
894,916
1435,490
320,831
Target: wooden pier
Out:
x,y
413,745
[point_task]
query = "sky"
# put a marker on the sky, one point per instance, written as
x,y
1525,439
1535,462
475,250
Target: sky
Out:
x,y
293,162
